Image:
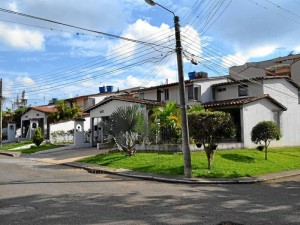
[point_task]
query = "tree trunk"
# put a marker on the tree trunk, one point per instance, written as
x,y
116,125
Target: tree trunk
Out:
x,y
209,151
266,151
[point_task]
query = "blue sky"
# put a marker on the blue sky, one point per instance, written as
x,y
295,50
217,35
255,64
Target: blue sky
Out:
x,y
53,61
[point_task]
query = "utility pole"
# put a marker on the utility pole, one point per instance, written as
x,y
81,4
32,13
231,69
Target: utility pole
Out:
x,y
184,121
1,97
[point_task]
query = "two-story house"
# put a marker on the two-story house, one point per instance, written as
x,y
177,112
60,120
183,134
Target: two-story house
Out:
x,y
250,101
197,91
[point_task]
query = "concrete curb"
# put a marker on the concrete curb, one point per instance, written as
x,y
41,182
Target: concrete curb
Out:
x,y
91,168
177,179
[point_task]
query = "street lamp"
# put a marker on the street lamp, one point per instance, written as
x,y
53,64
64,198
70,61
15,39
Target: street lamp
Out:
x,y
184,120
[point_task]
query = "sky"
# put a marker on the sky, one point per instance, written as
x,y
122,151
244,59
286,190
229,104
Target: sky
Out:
x,y
49,60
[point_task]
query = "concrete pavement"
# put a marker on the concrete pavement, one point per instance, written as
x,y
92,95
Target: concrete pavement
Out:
x,y
70,156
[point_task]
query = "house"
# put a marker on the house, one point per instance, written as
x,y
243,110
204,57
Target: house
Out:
x,y
282,66
33,117
197,91
249,101
87,101
101,112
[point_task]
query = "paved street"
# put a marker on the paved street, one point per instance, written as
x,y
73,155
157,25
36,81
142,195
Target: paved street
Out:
x,y
39,193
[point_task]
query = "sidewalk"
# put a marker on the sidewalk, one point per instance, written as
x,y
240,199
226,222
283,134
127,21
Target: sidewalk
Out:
x,y
70,156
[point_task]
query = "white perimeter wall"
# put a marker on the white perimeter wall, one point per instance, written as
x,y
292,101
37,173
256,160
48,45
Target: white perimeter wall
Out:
x,y
68,125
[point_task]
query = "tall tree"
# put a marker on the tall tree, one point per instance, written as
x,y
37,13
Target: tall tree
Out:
x,y
209,128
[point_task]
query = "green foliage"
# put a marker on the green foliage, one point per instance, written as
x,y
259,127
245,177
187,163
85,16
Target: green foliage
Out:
x,y
209,128
37,137
126,125
265,131
65,112
195,108
167,120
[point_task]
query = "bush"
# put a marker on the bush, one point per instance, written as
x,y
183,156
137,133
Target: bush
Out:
x,y
265,132
37,137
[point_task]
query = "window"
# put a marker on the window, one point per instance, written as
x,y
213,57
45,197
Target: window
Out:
x,y
276,117
194,93
159,95
166,94
243,90
221,89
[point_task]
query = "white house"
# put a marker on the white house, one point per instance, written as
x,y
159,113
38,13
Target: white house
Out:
x,y
254,100
35,116
196,91
101,112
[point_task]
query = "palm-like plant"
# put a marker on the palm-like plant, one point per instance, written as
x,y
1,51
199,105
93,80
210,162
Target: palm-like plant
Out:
x,y
126,125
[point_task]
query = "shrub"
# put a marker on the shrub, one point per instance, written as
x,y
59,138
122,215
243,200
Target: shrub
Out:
x,y
37,137
265,131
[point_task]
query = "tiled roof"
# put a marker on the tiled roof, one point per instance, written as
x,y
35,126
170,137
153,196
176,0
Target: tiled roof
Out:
x,y
258,79
242,101
126,98
43,109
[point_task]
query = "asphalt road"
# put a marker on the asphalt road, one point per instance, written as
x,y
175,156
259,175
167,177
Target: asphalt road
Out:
x,y
39,193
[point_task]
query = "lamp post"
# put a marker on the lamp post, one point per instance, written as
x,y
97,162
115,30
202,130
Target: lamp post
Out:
x,y
184,120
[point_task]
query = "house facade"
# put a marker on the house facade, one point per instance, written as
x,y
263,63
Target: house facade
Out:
x,y
250,101
101,112
36,116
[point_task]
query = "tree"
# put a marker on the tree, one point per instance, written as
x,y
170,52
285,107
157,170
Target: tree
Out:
x,y
265,131
17,114
126,125
166,119
37,137
65,112
209,128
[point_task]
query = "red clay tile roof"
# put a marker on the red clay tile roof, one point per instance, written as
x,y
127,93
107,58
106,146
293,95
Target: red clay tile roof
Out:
x,y
242,101
43,109
126,98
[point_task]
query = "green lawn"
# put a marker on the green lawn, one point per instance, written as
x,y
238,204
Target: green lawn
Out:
x,y
34,148
226,164
15,145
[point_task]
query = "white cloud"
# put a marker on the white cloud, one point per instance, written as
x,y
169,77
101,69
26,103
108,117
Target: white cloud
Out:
x,y
26,81
21,38
242,57
13,6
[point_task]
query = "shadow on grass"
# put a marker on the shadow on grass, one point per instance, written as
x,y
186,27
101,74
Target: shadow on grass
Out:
x,y
238,158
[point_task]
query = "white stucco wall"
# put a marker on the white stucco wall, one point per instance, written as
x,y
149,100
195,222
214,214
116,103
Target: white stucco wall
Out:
x,y
68,125
108,108
34,114
232,92
286,94
254,113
